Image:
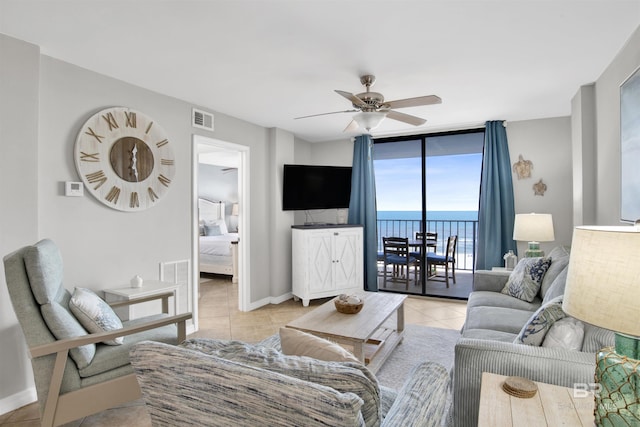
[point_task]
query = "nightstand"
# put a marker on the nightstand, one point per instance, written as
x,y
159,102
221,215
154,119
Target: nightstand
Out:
x,y
149,288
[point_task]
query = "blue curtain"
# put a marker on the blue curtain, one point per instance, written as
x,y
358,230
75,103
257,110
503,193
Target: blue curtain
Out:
x,y
496,212
362,207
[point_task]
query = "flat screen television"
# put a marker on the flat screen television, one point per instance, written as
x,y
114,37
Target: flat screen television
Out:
x,y
316,187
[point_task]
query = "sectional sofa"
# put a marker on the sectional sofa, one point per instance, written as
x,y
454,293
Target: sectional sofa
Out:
x,y
492,336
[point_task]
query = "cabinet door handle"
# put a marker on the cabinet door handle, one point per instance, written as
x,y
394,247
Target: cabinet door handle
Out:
x,y
336,233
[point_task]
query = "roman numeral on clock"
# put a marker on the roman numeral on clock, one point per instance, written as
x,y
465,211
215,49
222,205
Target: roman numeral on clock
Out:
x,y
89,157
148,127
162,143
113,195
131,119
95,135
111,121
166,162
152,194
164,180
133,200
96,177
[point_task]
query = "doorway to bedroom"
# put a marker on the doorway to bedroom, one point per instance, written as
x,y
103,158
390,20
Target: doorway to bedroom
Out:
x,y
220,219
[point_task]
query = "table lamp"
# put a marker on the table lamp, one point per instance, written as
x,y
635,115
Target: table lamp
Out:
x,y
603,289
533,228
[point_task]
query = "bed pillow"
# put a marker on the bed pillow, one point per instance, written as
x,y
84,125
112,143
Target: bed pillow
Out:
x,y
298,343
212,230
218,222
536,328
95,314
524,281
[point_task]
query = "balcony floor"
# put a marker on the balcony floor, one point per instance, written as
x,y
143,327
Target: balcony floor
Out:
x,y
460,290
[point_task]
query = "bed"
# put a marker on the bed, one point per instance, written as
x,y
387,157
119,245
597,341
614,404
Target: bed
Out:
x,y
218,248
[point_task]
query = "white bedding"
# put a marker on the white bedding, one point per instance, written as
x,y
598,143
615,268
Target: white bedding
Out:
x,y
217,245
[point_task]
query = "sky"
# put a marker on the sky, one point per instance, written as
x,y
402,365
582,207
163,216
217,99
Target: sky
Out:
x,y
453,183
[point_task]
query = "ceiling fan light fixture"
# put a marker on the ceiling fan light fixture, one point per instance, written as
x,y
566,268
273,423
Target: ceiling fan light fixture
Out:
x,y
369,119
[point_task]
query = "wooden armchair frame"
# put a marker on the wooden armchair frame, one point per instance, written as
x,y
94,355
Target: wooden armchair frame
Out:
x,y
63,408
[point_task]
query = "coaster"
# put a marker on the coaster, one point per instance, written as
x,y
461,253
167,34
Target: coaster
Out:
x,y
520,387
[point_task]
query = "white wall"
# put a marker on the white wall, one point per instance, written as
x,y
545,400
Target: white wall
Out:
x,y
19,194
44,103
583,142
608,130
547,144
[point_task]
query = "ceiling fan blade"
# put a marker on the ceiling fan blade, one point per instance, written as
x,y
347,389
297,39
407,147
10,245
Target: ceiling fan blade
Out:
x,y
353,125
326,114
351,97
414,102
406,118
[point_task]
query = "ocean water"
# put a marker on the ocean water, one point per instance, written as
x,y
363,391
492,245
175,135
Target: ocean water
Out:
x,y
445,223
431,215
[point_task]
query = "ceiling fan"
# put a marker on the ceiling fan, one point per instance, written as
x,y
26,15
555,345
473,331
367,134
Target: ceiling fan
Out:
x,y
372,108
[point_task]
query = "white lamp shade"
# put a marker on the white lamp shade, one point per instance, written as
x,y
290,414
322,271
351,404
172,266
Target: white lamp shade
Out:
x,y
369,119
533,228
234,209
603,280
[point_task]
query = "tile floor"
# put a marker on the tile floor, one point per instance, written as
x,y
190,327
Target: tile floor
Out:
x,y
220,318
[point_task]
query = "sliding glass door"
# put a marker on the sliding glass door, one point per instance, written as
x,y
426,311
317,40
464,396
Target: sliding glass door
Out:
x,y
427,183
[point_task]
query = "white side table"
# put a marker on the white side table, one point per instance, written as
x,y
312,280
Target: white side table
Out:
x,y
149,288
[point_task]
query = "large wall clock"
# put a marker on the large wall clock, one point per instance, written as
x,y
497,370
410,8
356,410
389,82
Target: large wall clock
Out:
x,y
125,159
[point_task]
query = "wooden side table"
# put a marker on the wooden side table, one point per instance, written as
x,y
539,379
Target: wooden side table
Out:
x,y
149,288
551,406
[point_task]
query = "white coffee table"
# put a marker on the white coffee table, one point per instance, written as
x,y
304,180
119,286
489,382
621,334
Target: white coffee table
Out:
x,y
364,333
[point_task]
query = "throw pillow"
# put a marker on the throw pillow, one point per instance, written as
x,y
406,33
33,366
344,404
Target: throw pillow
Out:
x,y
298,343
565,333
535,330
341,376
95,314
524,281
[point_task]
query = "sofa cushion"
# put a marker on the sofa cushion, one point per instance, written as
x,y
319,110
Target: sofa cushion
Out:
x,y
43,262
534,331
557,287
63,324
94,314
559,261
488,334
596,338
497,299
110,357
341,376
297,343
497,319
524,281
565,333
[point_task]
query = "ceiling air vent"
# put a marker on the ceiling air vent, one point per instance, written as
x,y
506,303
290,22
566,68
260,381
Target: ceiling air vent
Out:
x,y
201,119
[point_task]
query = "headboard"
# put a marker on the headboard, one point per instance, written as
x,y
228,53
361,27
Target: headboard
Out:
x,y
210,211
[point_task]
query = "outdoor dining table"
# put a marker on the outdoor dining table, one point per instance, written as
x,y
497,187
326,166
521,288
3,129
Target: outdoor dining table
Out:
x,y
417,243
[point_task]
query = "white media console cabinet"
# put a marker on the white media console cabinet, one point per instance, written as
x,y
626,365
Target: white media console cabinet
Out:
x,y
327,261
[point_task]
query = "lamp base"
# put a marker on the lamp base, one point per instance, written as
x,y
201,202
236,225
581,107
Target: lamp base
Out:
x,y
533,250
617,372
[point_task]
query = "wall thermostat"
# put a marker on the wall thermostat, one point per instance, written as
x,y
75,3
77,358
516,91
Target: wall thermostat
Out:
x,y
73,189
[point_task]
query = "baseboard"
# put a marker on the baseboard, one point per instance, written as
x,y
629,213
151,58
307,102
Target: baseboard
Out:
x,y
270,300
18,400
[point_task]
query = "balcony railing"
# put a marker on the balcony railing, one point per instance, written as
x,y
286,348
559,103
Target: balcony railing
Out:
x,y
467,232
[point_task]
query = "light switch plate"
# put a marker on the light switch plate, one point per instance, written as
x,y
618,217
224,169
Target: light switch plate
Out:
x,y
73,189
